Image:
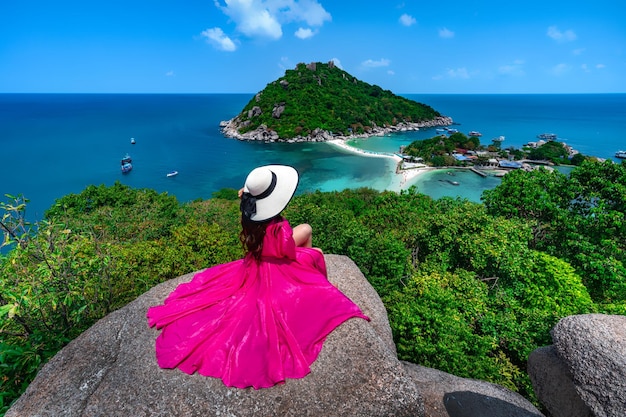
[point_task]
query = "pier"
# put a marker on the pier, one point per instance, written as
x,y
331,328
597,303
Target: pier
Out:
x,y
482,174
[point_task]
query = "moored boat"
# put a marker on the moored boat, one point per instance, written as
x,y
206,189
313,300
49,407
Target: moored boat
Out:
x,y
475,133
498,139
620,154
126,164
172,173
547,136
132,141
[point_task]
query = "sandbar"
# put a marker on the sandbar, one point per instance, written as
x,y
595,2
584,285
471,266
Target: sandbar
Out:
x,y
403,178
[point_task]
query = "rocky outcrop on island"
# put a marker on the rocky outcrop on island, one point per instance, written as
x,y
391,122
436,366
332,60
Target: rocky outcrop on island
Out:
x,y
583,373
232,127
319,102
111,370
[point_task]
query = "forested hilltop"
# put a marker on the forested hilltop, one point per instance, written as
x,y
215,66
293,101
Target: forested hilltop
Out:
x,y
318,97
470,289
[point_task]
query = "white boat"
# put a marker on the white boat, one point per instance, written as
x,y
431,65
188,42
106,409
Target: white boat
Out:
x,y
132,141
498,139
620,154
547,136
172,173
127,165
475,133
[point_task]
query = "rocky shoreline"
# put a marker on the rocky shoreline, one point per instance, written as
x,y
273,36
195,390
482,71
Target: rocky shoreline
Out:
x,y
230,128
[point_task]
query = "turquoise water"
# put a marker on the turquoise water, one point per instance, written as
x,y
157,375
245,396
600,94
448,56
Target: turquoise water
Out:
x,y
56,144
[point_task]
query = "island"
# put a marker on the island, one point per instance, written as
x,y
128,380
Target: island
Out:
x,y
321,102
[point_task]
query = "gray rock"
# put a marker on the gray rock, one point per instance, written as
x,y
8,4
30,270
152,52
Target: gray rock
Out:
x,y
110,370
253,112
278,110
446,395
553,384
593,347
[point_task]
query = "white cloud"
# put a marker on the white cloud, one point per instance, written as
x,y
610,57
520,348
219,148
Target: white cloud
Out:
x,y
557,35
391,72
578,51
586,67
309,11
303,33
217,38
446,33
285,63
407,20
458,73
512,69
375,64
560,69
265,18
170,74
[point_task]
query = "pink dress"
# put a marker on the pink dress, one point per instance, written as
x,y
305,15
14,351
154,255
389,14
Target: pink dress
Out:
x,y
252,324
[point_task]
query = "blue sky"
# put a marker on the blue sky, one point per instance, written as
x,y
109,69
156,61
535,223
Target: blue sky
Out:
x,y
238,46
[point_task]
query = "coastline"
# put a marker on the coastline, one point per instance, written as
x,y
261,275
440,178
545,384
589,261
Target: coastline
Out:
x,y
400,179
230,128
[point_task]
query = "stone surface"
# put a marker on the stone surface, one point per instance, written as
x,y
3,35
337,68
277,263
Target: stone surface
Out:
x,y
593,347
447,395
553,384
110,370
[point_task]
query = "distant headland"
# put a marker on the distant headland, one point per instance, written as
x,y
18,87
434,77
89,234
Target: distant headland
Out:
x,y
321,102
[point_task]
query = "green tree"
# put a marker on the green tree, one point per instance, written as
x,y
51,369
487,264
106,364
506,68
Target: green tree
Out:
x,y
580,219
322,96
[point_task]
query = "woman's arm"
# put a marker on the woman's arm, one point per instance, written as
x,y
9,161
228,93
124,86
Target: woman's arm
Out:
x,y
303,235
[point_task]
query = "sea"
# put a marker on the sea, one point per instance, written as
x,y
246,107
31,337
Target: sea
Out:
x,y
58,144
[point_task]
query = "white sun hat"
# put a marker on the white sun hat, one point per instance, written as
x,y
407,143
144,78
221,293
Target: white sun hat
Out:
x,y
267,191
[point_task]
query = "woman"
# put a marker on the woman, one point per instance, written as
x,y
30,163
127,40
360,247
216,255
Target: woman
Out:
x,y
262,319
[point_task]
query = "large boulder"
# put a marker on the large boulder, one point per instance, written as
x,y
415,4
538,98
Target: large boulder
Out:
x,y
111,370
584,372
447,395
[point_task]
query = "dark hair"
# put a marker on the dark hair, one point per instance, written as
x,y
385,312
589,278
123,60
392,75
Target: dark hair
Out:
x,y
252,235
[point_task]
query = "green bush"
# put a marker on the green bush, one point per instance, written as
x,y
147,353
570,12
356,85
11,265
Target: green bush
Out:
x,y
470,289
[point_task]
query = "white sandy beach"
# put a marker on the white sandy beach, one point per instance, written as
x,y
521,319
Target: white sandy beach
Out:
x,y
401,179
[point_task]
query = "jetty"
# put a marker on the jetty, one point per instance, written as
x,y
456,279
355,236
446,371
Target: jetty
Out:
x,y
481,173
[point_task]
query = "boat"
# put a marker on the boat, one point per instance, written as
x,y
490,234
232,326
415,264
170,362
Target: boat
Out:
x,y
126,163
172,173
547,136
452,130
620,154
475,133
132,141
498,139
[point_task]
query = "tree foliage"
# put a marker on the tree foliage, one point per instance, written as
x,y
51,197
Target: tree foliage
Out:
x,y
470,288
580,218
437,149
323,96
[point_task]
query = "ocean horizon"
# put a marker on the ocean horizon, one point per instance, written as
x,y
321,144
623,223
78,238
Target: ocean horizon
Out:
x,y
57,144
